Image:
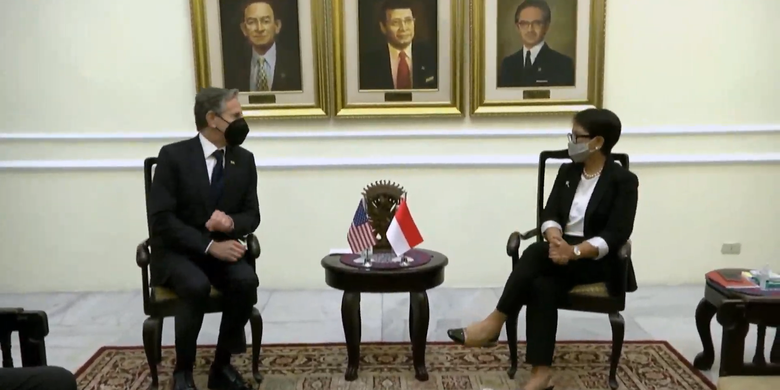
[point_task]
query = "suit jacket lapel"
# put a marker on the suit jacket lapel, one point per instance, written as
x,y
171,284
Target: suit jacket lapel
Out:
x,y
418,67
601,187
201,173
280,78
569,189
387,79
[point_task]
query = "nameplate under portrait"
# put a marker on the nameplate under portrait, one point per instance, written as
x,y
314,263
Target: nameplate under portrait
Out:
x,y
536,56
397,57
272,51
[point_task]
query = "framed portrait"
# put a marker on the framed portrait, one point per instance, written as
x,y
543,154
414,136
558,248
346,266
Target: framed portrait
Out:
x,y
272,51
398,57
536,56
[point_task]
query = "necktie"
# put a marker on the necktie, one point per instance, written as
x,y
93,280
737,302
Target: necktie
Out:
x,y
261,81
403,78
217,177
527,60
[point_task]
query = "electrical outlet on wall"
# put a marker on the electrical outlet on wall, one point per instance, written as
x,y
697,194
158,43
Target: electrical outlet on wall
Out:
x,y
731,248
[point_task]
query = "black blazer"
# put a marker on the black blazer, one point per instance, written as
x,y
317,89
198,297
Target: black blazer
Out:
x,y
375,72
287,70
550,69
612,208
179,204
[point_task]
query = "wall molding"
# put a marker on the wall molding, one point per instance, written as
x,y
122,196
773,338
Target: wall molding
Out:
x,y
392,133
384,162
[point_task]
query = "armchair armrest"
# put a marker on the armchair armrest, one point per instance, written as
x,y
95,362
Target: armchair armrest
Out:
x,y
625,251
142,254
253,245
513,244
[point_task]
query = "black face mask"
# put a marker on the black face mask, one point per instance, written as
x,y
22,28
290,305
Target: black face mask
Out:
x,y
236,132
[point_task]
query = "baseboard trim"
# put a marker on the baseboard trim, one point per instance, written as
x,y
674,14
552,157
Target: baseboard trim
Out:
x,y
392,133
384,162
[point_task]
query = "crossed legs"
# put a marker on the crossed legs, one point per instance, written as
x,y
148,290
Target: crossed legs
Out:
x,y
540,285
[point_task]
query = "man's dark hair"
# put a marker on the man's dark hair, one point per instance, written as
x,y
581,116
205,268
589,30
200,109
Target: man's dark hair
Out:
x,y
271,3
211,99
388,5
541,4
600,122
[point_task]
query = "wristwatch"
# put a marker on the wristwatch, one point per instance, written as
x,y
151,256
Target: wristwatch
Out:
x,y
576,251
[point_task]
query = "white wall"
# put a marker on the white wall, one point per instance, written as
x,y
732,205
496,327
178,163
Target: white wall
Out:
x,y
93,87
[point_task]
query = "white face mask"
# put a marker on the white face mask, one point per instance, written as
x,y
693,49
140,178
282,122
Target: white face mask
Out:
x,y
579,152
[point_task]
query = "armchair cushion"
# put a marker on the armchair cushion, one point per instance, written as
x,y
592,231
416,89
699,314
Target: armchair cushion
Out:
x,y
160,294
591,290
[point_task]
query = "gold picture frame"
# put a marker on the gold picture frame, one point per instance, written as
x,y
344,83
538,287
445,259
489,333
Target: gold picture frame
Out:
x,y
309,95
493,89
352,101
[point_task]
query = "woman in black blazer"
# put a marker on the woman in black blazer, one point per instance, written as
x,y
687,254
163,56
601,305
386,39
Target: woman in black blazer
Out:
x,y
588,217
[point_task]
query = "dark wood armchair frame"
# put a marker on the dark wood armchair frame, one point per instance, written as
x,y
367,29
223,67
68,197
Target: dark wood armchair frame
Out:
x,y
612,302
33,327
160,303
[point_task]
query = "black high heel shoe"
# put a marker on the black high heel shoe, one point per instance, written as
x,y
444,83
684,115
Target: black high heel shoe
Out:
x,y
458,335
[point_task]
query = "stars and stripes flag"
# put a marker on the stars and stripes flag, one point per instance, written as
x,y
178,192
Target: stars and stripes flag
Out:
x,y
360,236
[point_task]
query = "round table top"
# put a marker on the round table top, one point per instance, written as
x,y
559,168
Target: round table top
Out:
x,y
720,279
409,279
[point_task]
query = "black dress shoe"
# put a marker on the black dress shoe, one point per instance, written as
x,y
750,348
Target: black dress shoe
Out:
x,y
226,378
459,336
182,380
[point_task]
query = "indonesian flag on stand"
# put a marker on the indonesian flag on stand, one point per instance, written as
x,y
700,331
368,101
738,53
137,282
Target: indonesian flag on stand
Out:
x,y
402,233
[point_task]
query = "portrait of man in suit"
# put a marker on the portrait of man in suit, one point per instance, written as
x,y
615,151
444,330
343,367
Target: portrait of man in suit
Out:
x,y
399,61
536,64
262,62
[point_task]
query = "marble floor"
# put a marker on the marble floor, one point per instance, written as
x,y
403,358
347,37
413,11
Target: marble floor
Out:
x,y
80,323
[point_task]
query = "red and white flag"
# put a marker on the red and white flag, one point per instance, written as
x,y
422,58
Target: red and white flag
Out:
x,y
403,233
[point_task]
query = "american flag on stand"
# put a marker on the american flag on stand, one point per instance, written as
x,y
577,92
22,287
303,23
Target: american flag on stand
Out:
x,y
360,236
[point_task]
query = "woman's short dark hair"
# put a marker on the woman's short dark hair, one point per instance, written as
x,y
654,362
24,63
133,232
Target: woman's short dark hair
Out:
x,y
600,122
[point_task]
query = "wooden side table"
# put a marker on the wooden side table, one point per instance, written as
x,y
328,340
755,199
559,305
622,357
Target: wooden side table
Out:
x,y
413,280
736,309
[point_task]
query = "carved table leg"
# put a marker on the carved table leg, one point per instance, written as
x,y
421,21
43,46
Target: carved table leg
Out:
x,y
774,354
732,349
704,313
419,316
350,318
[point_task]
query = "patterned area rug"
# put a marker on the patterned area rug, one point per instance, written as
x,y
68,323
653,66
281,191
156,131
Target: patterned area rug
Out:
x,y
578,365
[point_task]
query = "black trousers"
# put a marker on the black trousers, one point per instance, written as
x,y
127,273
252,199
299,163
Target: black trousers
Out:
x,y
191,280
37,378
541,285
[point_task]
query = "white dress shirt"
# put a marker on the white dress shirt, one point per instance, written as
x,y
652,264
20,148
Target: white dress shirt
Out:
x,y
575,226
534,52
270,65
208,152
395,58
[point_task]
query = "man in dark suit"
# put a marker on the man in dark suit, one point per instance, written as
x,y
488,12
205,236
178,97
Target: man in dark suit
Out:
x,y
203,199
265,66
403,63
535,64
